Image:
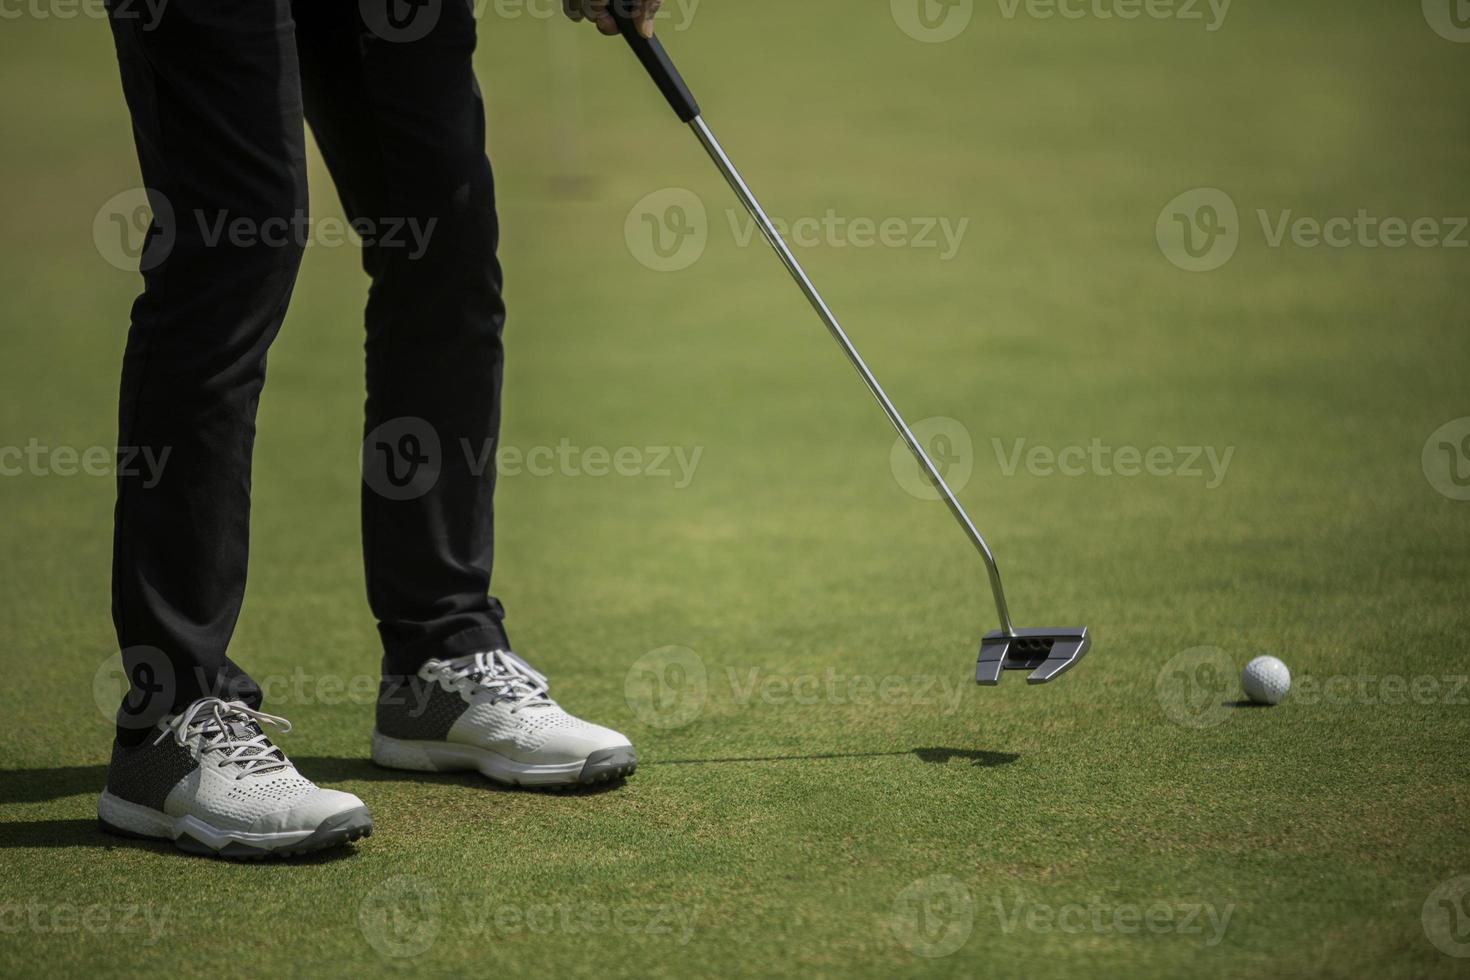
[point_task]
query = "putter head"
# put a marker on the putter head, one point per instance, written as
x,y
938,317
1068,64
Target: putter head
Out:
x,y
1045,652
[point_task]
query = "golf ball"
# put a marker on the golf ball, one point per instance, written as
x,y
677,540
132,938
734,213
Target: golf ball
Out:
x,y
1266,680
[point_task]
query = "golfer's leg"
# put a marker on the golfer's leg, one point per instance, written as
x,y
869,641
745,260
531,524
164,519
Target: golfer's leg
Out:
x,y
213,88
400,122
401,125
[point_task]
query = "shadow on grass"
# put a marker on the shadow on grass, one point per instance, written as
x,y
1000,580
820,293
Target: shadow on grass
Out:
x,y
39,785
978,757
935,756
89,833
332,769
1245,703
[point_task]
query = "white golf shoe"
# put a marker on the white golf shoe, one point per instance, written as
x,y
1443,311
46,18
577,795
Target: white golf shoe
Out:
x,y
490,712
212,783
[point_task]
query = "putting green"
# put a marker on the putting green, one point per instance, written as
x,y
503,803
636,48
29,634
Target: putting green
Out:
x,y
1199,465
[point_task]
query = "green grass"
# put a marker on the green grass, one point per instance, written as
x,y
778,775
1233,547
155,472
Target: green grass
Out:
x,y
772,834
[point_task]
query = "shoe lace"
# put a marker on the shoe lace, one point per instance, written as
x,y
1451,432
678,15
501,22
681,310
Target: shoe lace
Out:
x,y
231,727
504,675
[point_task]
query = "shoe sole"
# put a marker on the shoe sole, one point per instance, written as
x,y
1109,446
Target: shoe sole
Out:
x,y
602,766
189,833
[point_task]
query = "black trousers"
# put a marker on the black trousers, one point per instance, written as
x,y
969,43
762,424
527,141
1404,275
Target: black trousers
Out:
x,y
218,90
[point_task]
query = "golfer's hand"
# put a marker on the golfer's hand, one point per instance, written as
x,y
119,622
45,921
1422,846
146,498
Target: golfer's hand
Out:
x,y
596,11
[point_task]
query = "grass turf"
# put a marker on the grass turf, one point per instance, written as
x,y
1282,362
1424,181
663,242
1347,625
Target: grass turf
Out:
x,y
787,829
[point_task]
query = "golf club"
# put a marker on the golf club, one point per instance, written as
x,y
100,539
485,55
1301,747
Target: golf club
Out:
x,y
1047,652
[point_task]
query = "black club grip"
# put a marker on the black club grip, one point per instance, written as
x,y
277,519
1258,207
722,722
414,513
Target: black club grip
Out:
x,y
655,61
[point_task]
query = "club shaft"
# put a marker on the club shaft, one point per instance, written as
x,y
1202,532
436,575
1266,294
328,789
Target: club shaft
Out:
x,y
738,185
